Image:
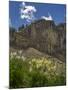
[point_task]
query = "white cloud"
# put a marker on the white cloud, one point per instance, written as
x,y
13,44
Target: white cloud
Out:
x,y
24,16
47,18
23,3
30,8
27,12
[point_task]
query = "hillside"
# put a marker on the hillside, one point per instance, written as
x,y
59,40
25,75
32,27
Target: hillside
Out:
x,y
42,35
38,55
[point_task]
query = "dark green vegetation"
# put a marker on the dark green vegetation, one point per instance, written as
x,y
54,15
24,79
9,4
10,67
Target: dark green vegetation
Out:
x,y
36,72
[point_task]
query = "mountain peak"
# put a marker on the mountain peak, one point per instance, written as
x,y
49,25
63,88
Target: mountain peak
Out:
x,y
49,18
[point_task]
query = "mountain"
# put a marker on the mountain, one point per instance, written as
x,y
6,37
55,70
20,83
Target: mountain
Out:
x,y
42,35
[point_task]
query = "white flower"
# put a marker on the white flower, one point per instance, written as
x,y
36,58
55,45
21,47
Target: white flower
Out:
x,y
23,58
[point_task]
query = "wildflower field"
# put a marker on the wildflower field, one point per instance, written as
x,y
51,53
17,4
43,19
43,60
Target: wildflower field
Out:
x,y
36,72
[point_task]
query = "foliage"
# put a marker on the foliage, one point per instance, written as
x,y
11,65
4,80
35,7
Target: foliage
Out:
x,y
36,72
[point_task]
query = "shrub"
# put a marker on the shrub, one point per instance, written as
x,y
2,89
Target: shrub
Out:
x,y
42,73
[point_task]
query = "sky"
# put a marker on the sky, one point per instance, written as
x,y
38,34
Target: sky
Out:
x,y
35,11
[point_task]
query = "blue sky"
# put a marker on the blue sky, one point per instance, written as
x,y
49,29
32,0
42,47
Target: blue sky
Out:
x,y
57,12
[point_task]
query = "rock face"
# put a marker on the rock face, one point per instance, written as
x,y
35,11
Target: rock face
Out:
x,y
42,35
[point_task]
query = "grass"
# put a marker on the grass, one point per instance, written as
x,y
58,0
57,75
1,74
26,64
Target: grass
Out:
x,y
36,72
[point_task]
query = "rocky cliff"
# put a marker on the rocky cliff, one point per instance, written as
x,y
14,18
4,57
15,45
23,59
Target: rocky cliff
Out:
x,y
42,35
